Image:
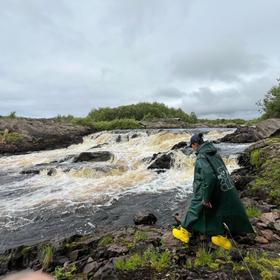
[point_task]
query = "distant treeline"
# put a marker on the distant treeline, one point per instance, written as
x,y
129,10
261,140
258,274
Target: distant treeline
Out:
x,y
129,116
140,112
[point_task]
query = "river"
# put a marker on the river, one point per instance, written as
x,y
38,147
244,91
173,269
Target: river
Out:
x,y
82,197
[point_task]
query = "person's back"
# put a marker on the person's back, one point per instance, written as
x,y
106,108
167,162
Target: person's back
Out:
x,y
215,202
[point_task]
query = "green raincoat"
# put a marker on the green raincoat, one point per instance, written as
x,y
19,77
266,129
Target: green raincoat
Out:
x,y
212,183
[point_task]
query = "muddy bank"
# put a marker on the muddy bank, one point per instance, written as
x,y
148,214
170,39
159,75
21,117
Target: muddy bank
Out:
x,y
21,135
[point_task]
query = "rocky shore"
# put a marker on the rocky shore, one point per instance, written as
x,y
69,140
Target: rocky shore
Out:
x,y
148,251
21,135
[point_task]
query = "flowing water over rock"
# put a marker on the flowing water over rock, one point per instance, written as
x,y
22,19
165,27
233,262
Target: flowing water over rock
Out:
x,y
49,194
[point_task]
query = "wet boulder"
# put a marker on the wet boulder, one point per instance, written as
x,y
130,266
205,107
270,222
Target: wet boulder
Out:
x,y
249,134
94,156
243,134
180,145
162,161
145,219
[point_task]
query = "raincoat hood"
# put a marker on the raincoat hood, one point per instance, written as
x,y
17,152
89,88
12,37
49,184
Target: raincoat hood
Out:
x,y
207,148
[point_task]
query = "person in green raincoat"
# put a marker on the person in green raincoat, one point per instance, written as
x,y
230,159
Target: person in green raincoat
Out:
x,y
215,204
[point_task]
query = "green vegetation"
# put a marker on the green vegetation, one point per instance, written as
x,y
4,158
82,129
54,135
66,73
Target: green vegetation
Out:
x,y
253,212
270,105
267,179
7,137
223,122
268,268
139,112
26,250
48,254
205,258
106,240
116,124
132,262
138,236
152,258
255,158
65,273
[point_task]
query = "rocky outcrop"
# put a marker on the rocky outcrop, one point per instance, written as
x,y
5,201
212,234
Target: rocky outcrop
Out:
x,y
145,219
38,134
94,156
162,161
142,252
247,134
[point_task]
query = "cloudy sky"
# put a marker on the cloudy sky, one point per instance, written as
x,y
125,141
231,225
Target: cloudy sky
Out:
x,y
213,57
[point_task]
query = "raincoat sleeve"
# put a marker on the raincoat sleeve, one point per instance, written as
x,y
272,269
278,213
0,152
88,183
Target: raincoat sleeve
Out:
x,y
209,178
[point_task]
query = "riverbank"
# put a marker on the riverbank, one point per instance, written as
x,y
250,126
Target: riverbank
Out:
x,y
22,135
150,251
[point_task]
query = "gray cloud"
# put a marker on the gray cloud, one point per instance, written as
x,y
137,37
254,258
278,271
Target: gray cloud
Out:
x,y
223,63
66,57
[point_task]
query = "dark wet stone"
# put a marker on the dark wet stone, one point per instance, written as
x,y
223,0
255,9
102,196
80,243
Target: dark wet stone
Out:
x,y
180,145
94,156
145,219
106,272
164,161
52,172
91,266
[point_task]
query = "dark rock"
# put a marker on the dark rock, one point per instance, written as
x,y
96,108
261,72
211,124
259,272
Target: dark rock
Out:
x,y
98,146
243,134
240,181
180,145
116,250
134,136
61,260
119,139
146,219
91,266
52,172
106,272
164,161
247,134
94,156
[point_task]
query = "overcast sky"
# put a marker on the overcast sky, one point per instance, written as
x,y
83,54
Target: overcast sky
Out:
x,y
213,57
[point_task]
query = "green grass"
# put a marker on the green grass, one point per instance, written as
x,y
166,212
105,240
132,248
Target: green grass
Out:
x,y
106,240
253,212
65,273
152,258
205,258
255,158
268,268
48,254
26,250
140,236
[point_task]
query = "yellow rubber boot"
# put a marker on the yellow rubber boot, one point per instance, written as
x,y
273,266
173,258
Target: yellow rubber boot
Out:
x,y
181,234
221,241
